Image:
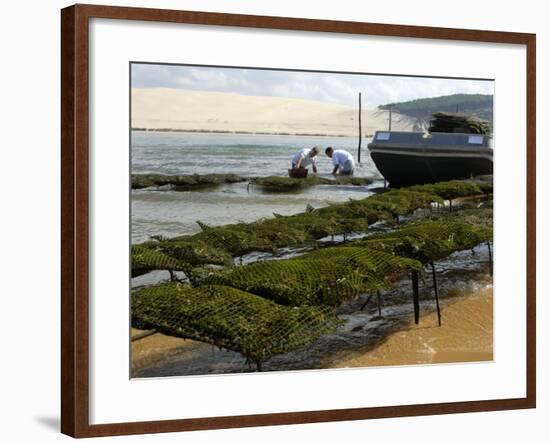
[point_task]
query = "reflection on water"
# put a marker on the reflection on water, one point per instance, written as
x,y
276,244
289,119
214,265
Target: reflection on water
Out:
x,y
170,213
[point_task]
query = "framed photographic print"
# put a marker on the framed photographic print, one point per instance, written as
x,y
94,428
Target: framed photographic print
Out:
x,y
272,220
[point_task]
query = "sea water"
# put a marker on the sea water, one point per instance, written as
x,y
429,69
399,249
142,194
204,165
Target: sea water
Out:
x,y
172,213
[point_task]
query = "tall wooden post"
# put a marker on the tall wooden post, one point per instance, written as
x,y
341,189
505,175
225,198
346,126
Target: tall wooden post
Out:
x,y
389,122
360,136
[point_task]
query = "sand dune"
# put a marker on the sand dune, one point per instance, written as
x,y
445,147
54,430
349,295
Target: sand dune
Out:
x,y
177,109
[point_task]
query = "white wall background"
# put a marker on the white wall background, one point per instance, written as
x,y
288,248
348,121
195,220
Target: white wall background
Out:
x,y
29,218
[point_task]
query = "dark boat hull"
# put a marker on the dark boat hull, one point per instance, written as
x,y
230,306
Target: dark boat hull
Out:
x,y
406,158
407,170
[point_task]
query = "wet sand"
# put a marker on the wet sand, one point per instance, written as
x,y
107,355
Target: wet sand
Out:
x,y
156,347
466,335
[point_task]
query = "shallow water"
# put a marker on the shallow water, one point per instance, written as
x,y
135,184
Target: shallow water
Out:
x,y
169,213
178,153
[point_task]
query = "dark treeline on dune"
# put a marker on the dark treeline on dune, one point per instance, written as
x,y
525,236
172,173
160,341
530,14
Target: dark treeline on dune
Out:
x,y
477,105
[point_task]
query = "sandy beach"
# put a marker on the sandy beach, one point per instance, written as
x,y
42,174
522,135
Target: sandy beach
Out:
x,y
179,109
156,347
466,335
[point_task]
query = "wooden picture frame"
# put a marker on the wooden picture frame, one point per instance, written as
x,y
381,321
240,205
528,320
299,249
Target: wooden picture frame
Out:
x,y
75,247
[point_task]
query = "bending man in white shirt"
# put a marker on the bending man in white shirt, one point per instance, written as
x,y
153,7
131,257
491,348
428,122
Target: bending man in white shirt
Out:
x,y
342,161
306,158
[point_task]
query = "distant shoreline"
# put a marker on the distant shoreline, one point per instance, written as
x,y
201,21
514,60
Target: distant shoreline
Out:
x,y
244,132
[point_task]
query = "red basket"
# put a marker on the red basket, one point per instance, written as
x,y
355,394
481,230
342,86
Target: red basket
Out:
x,y
298,173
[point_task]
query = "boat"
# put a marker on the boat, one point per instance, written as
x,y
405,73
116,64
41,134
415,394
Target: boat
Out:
x,y
408,158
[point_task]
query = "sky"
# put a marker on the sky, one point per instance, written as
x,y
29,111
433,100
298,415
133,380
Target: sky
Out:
x,y
327,87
